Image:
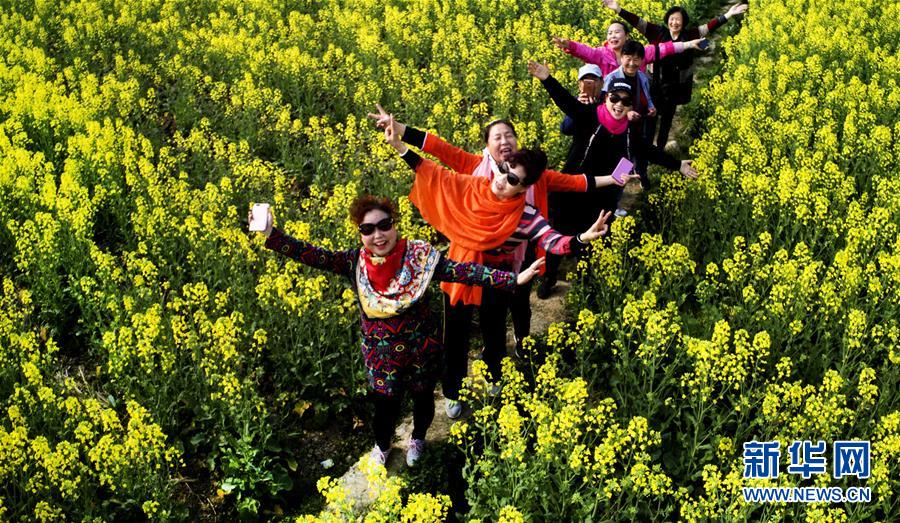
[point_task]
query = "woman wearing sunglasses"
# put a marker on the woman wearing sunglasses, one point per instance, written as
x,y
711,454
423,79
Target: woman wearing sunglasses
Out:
x,y
486,221
500,141
612,140
402,340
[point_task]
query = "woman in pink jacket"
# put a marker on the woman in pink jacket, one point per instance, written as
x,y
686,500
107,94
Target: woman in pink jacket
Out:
x,y
608,55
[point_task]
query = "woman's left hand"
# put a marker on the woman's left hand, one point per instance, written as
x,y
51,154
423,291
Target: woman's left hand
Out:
x,y
597,230
625,179
688,170
529,273
633,116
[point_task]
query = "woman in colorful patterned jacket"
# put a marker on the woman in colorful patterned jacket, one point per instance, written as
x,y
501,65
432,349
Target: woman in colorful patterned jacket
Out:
x,y
402,340
673,77
485,221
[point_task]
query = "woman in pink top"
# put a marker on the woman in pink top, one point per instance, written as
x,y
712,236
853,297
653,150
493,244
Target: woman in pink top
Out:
x,y
608,55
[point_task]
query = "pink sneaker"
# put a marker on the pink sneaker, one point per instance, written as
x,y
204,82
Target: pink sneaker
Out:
x,y
379,456
414,452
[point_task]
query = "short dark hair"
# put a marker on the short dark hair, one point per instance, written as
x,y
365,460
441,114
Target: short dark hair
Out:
x,y
686,20
625,27
365,203
492,123
633,48
533,160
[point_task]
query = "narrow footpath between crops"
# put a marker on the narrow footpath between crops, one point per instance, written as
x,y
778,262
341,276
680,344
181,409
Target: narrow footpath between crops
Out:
x,y
544,312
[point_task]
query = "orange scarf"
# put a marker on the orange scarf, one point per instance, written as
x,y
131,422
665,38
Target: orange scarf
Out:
x,y
464,209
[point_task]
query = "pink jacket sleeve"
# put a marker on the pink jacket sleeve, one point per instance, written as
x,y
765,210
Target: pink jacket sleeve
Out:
x,y
665,49
592,55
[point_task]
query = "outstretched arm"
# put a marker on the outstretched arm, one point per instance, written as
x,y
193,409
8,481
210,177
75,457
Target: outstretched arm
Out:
x,y
340,262
670,48
585,53
471,273
719,21
452,156
562,98
651,31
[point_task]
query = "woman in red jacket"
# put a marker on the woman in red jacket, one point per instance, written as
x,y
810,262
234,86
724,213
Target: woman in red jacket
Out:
x,y
501,141
486,222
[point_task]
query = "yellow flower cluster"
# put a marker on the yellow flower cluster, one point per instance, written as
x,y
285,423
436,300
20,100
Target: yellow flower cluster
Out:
x,y
570,437
387,504
723,364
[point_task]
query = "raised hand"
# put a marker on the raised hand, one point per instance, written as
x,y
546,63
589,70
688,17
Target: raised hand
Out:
x,y
526,275
382,117
270,221
562,43
687,170
612,4
737,9
538,70
598,229
392,136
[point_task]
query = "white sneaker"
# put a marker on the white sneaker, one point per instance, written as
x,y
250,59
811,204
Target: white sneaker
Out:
x,y
494,390
379,456
453,408
414,452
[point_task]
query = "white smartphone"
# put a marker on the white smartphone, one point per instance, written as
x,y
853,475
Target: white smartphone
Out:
x,y
259,217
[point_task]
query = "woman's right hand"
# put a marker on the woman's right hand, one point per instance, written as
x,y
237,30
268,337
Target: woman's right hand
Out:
x,y
597,230
562,43
612,4
538,70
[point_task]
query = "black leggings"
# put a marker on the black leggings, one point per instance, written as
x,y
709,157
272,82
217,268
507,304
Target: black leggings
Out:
x,y
457,329
665,113
387,411
551,267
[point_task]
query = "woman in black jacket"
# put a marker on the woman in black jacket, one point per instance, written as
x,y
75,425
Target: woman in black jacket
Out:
x,y
611,140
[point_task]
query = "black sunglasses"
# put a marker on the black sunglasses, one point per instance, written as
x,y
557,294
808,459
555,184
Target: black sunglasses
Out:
x,y
614,98
384,225
511,177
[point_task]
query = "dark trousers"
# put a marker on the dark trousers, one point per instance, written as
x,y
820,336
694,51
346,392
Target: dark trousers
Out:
x,y
551,267
520,304
387,410
665,113
458,327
